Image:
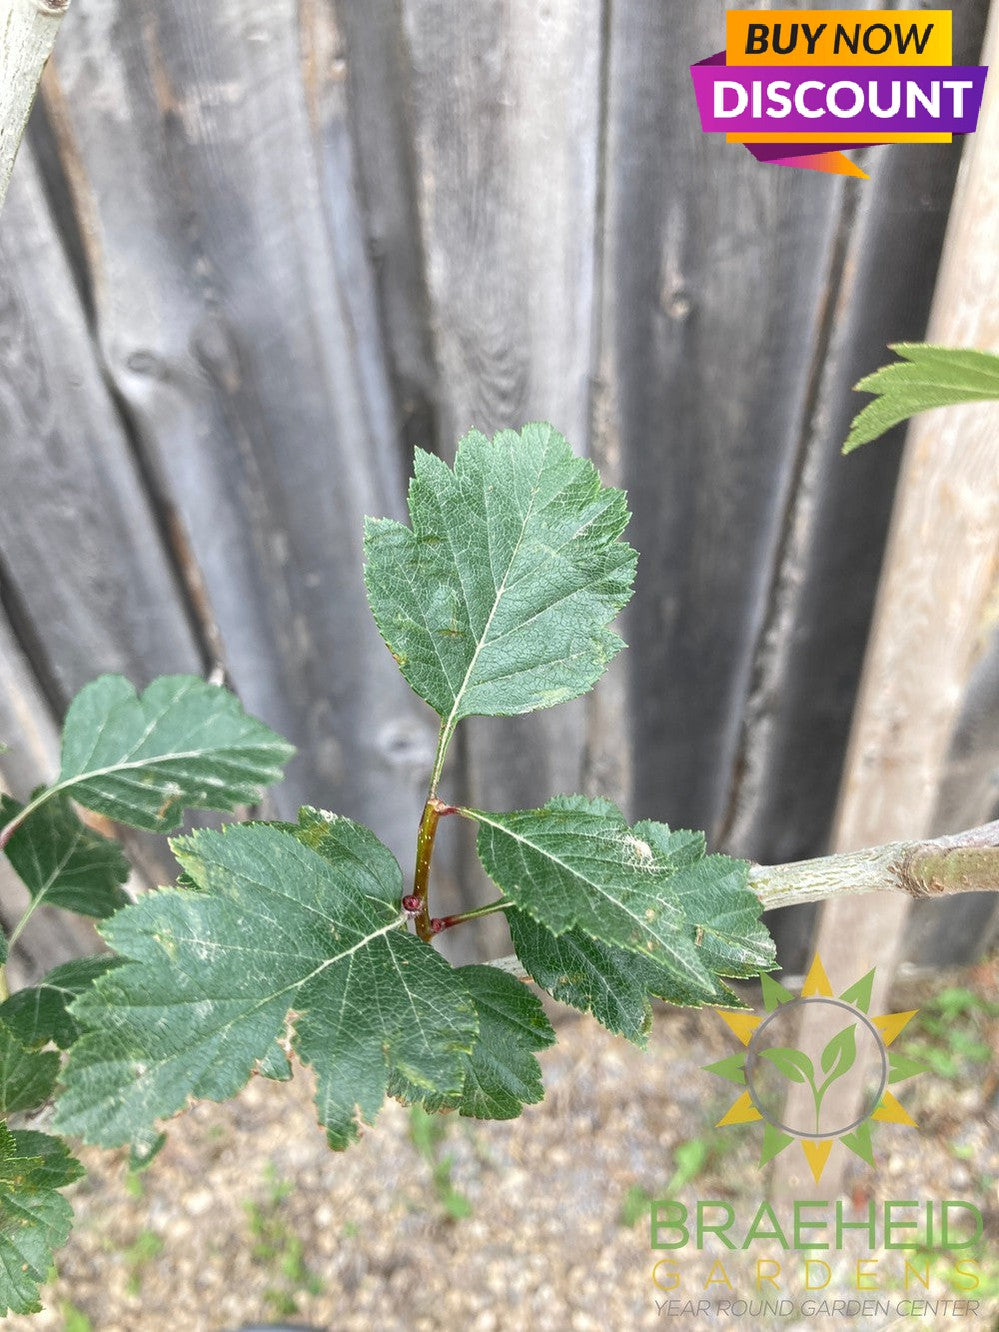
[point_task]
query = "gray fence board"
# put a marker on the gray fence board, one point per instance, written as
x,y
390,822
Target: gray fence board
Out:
x,y
309,236
227,319
79,541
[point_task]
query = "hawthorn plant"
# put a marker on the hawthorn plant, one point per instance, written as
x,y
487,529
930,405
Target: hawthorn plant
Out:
x,y
284,941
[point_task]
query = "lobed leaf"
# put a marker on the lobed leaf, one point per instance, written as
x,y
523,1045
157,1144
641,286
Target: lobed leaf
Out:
x,y
34,1218
615,985
925,377
182,744
497,600
501,1073
576,868
273,934
63,863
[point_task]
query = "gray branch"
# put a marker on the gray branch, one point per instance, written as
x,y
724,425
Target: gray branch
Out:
x,y
27,33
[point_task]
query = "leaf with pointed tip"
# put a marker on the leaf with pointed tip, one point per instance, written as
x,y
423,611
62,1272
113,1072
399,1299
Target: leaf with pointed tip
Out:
x,y
722,911
615,985
273,928
40,1013
34,1218
27,1077
63,863
501,1074
497,600
922,378
575,864
341,841
182,744
794,1064
840,1054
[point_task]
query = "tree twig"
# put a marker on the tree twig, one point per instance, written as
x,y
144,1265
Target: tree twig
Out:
x,y
27,33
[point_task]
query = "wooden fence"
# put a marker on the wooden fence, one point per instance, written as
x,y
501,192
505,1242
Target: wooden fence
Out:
x,y
255,251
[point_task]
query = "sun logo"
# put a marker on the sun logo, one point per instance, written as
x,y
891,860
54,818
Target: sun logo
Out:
x,y
810,1095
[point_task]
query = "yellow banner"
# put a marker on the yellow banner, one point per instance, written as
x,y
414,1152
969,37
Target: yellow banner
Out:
x,y
838,37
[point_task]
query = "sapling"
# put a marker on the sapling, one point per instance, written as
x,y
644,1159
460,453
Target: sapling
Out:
x,y
285,941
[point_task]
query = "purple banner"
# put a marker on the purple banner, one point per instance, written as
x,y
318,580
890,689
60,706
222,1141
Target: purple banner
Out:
x,y
838,100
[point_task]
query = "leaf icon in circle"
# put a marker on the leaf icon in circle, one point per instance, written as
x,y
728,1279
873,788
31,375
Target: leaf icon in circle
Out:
x,y
792,1063
840,1054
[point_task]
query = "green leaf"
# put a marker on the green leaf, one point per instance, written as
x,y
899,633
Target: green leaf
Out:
x,y
40,1013
501,1074
34,1219
27,1077
497,601
61,862
215,971
576,865
182,744
925,377
722,911
615,985
792,1063
840,1054
341,841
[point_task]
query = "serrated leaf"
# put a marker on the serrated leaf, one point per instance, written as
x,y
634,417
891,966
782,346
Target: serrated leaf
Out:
x,y
63,863
182,744
501,1074
721,910
27,1077
925,377
34,1218
343,841
497,601
575,864
615,985
40,1013
272,928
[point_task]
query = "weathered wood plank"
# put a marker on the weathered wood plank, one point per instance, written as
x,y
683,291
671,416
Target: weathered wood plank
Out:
x,y
960,930
505,103
228,319
79,543
379,98
808,658
935,593
715,275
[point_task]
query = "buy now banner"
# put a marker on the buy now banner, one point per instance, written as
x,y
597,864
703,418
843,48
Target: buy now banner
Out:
x,y
799,86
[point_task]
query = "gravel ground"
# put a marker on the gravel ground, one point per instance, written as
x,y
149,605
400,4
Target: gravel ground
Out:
x,y
247,1217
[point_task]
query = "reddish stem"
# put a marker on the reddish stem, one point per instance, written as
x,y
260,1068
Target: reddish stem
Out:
x,y
432,812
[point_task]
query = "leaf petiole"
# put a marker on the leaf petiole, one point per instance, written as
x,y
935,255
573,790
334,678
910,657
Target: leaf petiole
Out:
x,y
440,923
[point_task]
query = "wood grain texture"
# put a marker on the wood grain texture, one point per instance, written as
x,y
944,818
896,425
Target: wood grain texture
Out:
x,y
79,542
505,105
233,325
309,235
378,77
715,275
932,617
809,654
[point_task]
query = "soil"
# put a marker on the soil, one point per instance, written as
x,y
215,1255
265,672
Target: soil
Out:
x,y
537,1223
